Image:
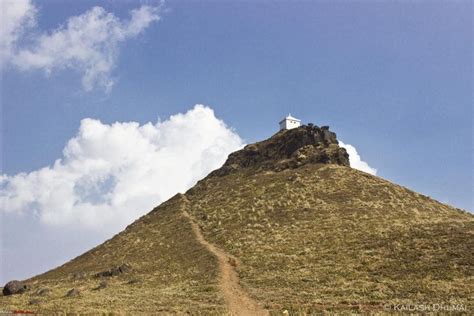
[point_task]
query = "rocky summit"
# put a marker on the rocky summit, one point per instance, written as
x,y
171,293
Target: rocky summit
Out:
x,y
284,227
288,149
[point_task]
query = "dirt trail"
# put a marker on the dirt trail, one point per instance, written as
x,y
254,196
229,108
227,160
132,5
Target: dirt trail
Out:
x,y
237,300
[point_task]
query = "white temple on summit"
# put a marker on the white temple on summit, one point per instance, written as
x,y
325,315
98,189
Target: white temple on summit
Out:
x,y
289,122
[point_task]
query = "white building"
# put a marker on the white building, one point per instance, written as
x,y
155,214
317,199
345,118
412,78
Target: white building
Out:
x,y
289,122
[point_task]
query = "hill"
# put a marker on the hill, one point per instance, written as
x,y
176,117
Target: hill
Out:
x,y
285,224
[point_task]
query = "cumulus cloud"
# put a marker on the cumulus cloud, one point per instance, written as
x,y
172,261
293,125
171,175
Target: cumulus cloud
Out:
x,y
355,160
87,43
110,174
16,16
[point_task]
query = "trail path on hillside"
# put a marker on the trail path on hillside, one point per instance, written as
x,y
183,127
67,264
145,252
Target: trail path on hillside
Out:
x,y
237,300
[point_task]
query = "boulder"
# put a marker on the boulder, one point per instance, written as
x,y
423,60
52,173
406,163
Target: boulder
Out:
x,y
73,293
14,287
114,271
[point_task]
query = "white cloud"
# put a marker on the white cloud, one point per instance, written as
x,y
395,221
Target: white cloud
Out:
x,y
16,16
356,161
87,43
111,174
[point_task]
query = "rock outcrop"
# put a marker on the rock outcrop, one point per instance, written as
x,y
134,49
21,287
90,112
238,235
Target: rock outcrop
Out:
x,y
14,287
288,149
115,271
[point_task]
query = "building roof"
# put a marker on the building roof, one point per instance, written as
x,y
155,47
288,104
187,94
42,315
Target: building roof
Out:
x,y
289,117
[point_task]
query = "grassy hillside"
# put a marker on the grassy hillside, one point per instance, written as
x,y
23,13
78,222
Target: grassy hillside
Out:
x,y
170,272
331,237
273,230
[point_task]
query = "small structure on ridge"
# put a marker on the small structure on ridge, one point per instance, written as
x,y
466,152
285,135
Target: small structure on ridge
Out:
x,y
289,122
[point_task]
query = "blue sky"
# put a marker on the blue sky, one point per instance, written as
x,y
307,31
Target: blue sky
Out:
x,y
393,79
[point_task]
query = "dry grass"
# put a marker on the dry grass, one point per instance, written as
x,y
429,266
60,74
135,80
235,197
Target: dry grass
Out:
x,y
171,272
330,237
319,237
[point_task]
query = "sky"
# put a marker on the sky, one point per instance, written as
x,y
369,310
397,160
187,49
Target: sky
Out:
x,y
109,108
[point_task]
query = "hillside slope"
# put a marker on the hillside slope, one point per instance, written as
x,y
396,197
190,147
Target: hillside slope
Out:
x,y
327,236
285,224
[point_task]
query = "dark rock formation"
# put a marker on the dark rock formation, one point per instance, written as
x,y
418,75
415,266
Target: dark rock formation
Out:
x,y
114,271
14,287
288,149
